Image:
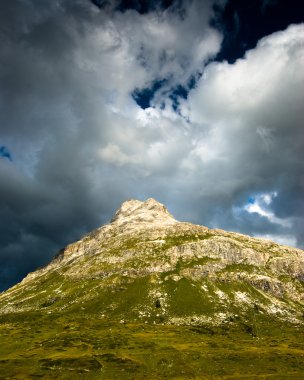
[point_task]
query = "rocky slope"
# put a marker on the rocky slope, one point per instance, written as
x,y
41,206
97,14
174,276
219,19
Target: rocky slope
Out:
x,y
145,266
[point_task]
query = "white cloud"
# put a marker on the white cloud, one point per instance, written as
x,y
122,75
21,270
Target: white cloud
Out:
x,y
261,205
252,82
113,154
247,121
288,240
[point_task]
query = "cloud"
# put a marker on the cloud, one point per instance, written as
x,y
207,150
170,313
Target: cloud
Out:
x,y
112,154
261,205
250,112
81,145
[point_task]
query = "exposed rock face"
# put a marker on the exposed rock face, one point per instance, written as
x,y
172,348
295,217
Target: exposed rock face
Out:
x,y
145,257
141,213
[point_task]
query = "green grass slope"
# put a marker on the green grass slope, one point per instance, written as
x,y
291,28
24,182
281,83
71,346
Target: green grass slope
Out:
x,y
80,346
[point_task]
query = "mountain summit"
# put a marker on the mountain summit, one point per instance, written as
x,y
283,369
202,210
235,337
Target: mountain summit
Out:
x,y
150,211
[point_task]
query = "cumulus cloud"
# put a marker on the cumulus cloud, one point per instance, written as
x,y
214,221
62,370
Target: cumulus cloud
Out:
x,y
250,112
81,145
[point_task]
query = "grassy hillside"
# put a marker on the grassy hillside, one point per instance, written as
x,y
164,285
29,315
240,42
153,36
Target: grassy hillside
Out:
x,y
82,346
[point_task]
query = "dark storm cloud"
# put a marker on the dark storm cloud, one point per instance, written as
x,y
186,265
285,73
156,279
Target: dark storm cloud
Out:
x,y
75,144
47,195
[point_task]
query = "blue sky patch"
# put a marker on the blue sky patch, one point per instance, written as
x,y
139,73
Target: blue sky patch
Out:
x,y
5,153
144,96
251,200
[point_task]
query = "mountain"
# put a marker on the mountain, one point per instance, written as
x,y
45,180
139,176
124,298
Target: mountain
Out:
x,y
147,269
145,265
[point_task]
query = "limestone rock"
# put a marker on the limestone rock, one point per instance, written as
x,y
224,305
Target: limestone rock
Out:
x,y
150,211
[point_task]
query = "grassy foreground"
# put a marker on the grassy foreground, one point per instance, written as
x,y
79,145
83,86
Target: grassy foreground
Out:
x,y
48,346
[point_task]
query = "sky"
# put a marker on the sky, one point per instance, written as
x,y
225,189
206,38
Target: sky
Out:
x,y
197,103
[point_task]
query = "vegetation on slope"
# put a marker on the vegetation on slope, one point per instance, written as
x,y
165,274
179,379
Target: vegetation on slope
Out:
x,y
80,346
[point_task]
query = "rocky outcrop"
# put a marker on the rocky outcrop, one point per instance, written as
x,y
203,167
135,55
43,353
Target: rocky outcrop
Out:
x,y
140,213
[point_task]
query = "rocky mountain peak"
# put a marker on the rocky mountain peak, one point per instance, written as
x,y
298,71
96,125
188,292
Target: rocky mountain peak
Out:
x,y
149,211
